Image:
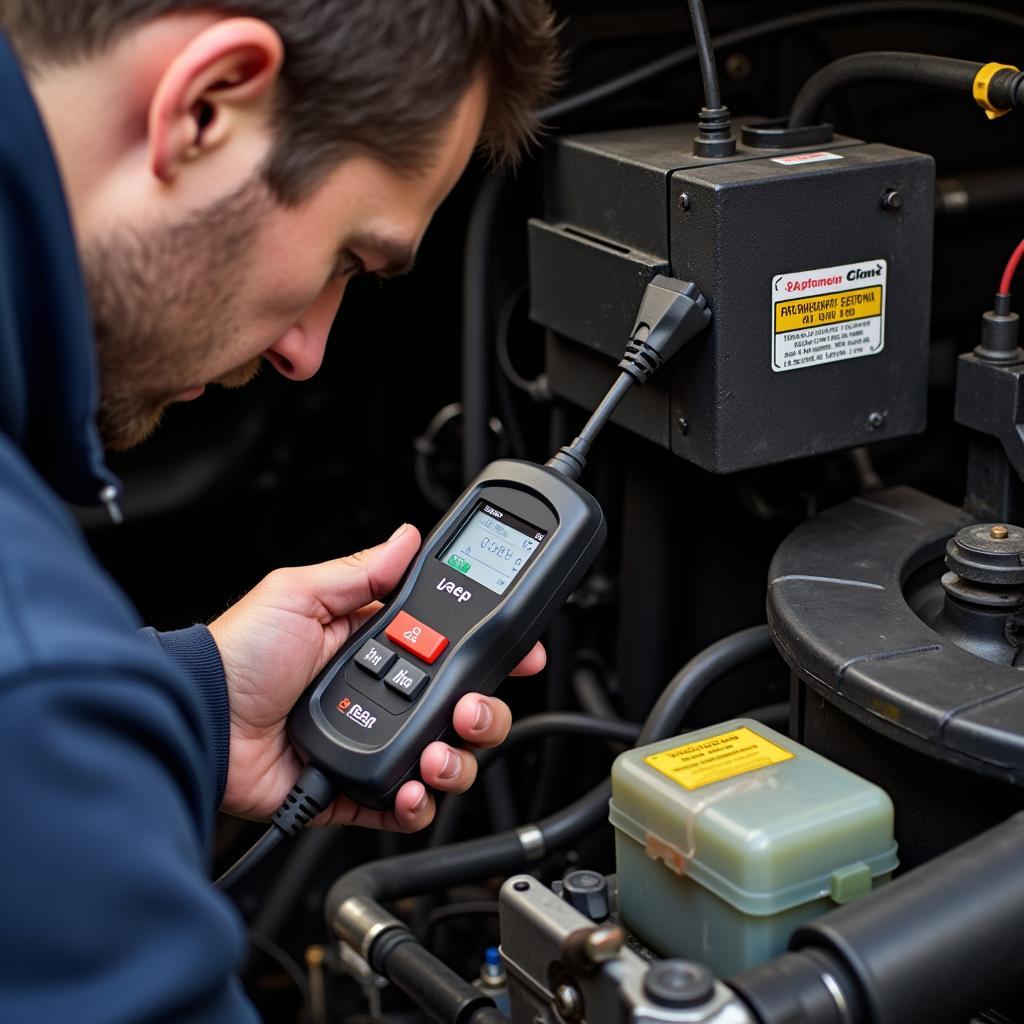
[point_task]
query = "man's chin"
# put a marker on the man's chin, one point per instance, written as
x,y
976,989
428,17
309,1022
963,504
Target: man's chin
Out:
x,y
241,376
121,430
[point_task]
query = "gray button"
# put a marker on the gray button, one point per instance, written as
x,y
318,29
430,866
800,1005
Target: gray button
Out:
x,y
375,658
406,680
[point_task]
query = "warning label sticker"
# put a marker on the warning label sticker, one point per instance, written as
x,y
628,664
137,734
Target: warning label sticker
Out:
x,y
823,316
717,758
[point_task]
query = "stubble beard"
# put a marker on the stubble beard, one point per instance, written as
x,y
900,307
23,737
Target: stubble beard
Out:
x,y
162,303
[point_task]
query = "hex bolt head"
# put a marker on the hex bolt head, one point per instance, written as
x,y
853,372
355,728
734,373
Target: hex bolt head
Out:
x,y
684,201
999,533
568,1002
892,199
587,891
679,984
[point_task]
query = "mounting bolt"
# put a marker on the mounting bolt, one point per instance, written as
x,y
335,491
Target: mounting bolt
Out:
x,y
999,533
568,1002
684,201
876,420
891,199
603,943
684,425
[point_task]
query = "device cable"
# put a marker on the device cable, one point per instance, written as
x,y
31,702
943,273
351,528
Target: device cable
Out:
x,y
311,794
671,314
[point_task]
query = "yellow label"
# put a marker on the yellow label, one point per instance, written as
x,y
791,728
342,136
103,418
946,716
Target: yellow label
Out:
x,y
717,757
831,308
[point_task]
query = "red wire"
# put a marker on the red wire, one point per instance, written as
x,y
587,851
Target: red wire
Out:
x,y
1011,269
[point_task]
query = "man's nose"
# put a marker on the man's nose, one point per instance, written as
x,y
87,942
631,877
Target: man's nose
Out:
x,y
300,351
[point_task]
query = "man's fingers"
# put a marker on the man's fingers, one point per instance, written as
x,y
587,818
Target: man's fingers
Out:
x,y
482,721
532,663
345,584
413,810
447,768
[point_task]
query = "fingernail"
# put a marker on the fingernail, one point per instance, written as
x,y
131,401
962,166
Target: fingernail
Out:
x,y
484,716
452,764
421,805
398,532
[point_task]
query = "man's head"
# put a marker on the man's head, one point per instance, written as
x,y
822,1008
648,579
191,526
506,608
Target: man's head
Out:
x,y
231,164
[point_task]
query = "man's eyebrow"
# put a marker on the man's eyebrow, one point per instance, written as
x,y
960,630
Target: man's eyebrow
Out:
x,y
389,257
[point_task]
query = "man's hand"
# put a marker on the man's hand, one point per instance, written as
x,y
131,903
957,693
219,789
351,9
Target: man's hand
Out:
x,y
280,635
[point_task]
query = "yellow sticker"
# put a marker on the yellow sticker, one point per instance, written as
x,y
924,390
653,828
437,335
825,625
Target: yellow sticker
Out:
x,y
799,314
718,757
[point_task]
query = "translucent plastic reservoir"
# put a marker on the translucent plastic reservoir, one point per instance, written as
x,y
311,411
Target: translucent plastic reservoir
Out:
x,y
730,837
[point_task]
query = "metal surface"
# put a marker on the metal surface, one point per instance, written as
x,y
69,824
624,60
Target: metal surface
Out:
x,y
616,216
538,929
359,923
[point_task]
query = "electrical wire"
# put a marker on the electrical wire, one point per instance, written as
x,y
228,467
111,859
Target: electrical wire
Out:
x,y
283,960
1012,263
251,857
705,55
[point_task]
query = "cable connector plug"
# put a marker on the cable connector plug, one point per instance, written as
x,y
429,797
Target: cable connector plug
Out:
x,y
671,314
311,794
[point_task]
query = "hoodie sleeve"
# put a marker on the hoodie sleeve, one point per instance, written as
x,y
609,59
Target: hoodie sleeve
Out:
x,y
195,652
106,771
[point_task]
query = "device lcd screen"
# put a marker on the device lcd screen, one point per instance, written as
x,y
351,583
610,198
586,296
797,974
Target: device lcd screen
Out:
x,y
492,547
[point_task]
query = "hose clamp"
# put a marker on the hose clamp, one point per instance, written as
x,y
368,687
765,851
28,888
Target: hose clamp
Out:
x,y
360,922
532,840
982,83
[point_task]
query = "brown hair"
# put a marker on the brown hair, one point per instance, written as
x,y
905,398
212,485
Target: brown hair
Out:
x,y
382,75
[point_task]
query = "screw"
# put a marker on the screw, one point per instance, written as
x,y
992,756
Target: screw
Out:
x,y
568,1002
891,199
738,66
684,201
999,533
876,420
521,886
684,426
603,943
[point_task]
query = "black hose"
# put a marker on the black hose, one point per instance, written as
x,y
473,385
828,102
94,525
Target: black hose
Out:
x,y
694,678
881,66
476,319
776,26
933,945
250,858
541,726
591,694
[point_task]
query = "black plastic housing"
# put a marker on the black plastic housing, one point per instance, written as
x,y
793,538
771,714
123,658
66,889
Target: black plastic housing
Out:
x,y
622,207
489,634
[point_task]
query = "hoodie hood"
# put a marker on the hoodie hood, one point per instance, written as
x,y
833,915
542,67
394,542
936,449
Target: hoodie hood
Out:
x,y
49,383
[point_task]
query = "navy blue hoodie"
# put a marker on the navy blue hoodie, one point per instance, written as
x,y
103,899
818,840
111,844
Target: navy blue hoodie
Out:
x,y
113,744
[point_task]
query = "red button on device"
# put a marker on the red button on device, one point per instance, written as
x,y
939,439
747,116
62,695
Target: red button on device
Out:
x,y
409,633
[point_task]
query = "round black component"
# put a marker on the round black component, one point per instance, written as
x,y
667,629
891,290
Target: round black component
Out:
x,y
679,984
587,891
988,553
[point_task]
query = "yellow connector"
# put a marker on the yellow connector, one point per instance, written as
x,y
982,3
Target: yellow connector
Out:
x,y
982,82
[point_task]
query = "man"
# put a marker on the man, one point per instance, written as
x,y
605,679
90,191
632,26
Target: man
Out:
x,y
228,166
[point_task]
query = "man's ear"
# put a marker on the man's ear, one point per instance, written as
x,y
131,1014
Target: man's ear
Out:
x,y
223,79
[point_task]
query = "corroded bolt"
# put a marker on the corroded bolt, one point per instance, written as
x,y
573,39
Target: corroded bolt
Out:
x,y
999,533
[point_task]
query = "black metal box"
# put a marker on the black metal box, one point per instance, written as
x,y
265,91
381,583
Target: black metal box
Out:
x,y
817,267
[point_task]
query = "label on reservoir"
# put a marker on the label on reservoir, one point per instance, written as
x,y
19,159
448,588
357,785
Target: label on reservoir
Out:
x,y
824,316
718,757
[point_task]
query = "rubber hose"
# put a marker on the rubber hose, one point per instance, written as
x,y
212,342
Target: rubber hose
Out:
x,y
881,66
